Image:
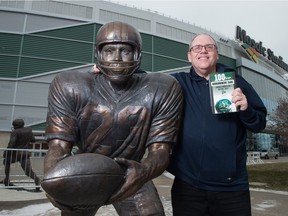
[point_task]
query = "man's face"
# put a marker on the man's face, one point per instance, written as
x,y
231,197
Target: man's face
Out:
x,y
117,56
203,55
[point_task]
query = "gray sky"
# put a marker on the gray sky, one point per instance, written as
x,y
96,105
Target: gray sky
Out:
x,y
264,21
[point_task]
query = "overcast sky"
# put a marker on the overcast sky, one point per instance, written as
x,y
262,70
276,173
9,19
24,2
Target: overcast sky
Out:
x,y
264,21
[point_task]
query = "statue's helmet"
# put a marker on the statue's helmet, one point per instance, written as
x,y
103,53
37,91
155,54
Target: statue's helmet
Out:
x,y
115,33
18,123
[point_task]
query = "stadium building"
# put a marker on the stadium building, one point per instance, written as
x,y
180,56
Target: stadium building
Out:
x,y
39,39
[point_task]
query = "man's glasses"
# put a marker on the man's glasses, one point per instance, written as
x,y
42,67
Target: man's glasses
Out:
x,y
208,48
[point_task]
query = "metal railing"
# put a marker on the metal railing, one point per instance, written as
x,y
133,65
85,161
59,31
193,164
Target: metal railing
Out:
x,y
24,163
253,158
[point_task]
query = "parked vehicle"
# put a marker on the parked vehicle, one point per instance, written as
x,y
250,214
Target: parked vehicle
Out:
x,y
271,153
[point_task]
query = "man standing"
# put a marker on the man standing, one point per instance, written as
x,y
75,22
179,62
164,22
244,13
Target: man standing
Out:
x,y
209,162
20,138
118,113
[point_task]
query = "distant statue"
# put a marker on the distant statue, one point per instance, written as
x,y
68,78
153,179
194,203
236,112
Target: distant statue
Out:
x,y
20,138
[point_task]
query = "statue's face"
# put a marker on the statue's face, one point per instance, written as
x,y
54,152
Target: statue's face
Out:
x,y
118,60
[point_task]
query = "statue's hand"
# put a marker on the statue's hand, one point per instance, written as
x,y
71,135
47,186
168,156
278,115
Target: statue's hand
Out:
x,y
136,177
67,208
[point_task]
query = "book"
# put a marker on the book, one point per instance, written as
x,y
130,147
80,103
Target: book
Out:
x,y
221,87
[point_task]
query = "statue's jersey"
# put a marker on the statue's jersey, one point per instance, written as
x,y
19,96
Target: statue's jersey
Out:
x,y
84,109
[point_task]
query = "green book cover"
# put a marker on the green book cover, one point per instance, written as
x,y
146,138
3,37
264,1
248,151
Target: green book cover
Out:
x,y
221,88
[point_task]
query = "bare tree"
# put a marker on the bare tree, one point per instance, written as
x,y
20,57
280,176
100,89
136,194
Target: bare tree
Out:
x,y
279,120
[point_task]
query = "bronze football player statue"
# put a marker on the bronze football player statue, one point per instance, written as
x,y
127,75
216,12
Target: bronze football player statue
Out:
x,y
120,113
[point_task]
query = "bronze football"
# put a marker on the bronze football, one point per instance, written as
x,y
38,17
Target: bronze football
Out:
x,y
83,181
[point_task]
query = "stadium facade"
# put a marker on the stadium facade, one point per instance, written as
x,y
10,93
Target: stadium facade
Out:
x,y
39,39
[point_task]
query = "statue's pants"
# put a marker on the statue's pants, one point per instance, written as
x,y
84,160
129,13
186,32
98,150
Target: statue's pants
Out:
x,y
145,202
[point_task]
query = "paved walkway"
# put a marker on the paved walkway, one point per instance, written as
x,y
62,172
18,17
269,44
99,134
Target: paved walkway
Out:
x,y
28,203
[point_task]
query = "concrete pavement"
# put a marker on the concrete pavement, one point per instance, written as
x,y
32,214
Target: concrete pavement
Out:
x,y
28,203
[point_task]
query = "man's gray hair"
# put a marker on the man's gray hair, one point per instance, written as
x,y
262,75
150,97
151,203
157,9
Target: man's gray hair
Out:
x,y
190,45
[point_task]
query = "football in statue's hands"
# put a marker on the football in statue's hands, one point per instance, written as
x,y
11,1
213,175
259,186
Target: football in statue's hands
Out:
x,y
83,181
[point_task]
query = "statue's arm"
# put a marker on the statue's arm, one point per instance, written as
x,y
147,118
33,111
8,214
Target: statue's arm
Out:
x,y
58,149
157,160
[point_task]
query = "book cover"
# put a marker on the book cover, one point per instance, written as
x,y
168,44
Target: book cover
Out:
x,y
221,88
